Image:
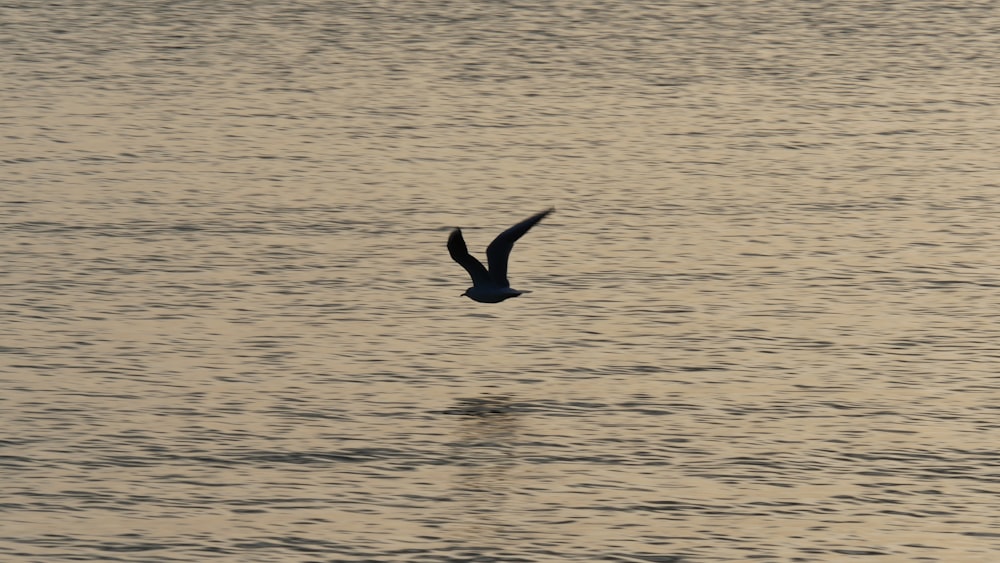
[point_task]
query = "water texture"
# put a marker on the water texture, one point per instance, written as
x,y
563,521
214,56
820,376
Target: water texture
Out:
x,y
763,322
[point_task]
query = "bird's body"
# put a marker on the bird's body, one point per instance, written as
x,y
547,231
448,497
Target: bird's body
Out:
x,y
491,286
491,294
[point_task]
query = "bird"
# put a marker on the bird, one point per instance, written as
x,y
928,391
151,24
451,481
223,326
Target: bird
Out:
x,y
491,286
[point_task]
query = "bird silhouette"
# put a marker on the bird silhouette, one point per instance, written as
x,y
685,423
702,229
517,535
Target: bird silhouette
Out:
x,y
491,286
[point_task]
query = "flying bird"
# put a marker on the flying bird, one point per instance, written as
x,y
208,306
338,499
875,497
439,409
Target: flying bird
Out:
x,y
491,286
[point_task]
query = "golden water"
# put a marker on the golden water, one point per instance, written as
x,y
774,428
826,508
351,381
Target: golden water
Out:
x,y
763,321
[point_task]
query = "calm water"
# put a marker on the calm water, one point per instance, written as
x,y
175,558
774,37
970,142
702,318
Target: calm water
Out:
x,y
764,317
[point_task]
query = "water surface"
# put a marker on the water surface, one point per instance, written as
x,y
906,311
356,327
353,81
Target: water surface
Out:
x,y
763,319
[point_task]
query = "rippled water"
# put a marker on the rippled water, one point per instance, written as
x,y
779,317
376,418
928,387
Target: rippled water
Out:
x,y
763,321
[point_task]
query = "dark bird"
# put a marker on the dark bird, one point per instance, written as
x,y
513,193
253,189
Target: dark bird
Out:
x,y
491,286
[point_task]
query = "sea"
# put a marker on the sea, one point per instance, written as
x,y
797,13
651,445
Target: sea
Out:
x,y
763,321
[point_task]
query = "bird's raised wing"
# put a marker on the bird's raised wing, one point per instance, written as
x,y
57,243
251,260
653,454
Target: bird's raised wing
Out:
x,y
499,250
460,253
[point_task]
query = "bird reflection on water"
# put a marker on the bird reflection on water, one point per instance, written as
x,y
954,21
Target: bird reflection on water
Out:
x,y
485,406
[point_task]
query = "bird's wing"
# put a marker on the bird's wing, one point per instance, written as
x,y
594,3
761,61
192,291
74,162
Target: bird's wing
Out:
x,y
460,253
499,250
